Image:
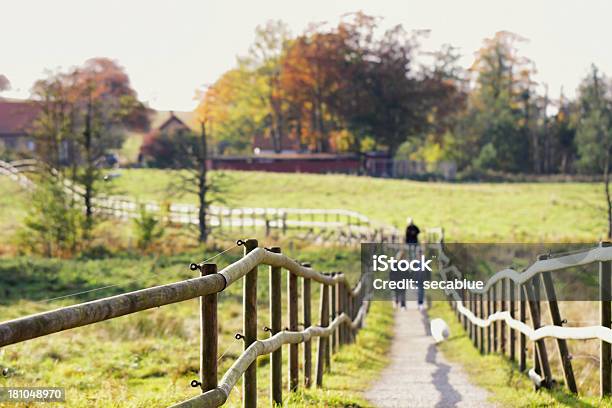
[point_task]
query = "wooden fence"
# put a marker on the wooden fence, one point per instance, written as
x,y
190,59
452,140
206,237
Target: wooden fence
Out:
x,y
489,316
341,315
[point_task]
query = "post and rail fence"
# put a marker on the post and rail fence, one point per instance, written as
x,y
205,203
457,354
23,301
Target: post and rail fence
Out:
x,y
339,322
497,328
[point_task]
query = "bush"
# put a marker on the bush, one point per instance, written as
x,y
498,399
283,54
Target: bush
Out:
x,y
148,229
52,226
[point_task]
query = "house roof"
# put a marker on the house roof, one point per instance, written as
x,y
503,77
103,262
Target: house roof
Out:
x,y
16,116
160,119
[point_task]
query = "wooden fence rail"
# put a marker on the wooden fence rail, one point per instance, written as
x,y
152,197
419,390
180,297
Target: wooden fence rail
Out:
x,y
527,285
346,319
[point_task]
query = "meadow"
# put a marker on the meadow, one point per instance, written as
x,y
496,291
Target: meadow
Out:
x,y
483,212
149,358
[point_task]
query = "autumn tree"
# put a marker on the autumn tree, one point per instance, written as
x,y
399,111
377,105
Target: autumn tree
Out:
x,y
236,108
82,115
313,76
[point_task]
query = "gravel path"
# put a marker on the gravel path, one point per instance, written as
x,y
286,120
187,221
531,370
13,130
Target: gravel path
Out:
x,y
418,375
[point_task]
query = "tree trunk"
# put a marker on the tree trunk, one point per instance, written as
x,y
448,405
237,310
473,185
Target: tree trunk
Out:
x,y
202,187
88,178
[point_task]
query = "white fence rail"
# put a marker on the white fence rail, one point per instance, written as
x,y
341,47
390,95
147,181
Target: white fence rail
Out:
x,y
321,225
471,311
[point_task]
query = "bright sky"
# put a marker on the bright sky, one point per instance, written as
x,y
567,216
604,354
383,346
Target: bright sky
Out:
x,y
171,48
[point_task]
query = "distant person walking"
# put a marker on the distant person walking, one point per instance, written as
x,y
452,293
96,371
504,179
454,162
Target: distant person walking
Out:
x,y
412,232
414,251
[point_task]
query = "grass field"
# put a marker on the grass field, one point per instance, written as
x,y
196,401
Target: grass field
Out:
x,y
148,359
485,212
509,387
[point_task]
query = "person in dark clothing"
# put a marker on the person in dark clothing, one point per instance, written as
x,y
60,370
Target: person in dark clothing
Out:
x,y
412,232
412,242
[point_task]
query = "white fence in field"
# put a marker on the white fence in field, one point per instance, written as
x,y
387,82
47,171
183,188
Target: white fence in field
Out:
x,y
323,225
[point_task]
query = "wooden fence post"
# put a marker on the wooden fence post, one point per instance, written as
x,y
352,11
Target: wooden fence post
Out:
x,y
350,300
323,341
541,356
276,363
328,343
468,305
209,335
249,300
502,328
490,326
475,328
334,305
553,307
346,310
464,299
307,323
512,308
495,324
482,330
522,337
292,299
535,285
339,310
605,357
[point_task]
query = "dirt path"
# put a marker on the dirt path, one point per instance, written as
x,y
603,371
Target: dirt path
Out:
x,y
418,375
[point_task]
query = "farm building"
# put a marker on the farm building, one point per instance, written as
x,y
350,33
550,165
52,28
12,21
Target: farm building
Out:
x,y
16,119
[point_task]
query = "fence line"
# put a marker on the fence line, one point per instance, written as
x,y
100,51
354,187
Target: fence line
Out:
x,y
528,285
321,225
348,317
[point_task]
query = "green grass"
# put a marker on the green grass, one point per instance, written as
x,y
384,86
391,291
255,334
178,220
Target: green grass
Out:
x,y
485,212
495,212
508,387
149,358
131,148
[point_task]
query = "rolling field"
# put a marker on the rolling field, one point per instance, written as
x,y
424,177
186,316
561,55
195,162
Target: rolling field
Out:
x,y
487,212
149,358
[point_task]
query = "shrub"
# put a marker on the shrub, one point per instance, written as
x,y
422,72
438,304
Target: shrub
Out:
x,y
148,229
52,226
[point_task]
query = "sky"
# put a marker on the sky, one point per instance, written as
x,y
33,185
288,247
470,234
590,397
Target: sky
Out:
x,y
172,48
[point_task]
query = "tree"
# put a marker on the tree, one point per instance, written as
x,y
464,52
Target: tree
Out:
x,y
312,77
106,104
82,115
5,85
52,225
499,107
594,134
264,63
562,135
235,109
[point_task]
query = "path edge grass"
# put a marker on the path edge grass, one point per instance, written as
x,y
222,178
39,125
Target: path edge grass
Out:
x,y
506,385
354,367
